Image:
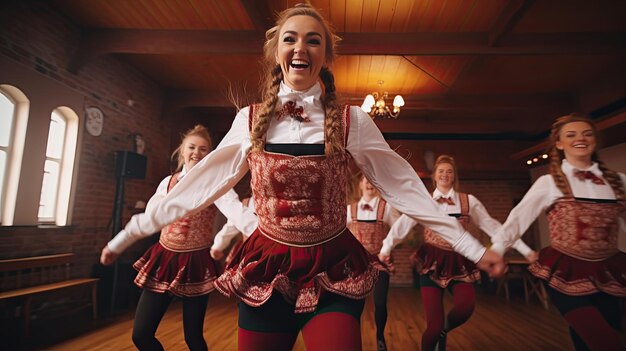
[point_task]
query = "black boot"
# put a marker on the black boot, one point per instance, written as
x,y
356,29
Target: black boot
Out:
x,y
441,344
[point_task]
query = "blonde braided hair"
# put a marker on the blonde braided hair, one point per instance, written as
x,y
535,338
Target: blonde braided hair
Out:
x,y
556,157
274,76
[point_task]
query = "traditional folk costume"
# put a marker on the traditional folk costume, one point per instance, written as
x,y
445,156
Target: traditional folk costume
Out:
x,y
302,249
179,264
440,267
583,269
370,221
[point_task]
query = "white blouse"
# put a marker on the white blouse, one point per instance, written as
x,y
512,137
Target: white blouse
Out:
x,y
477,212
229,231
241,218
389,215
544,193
226,165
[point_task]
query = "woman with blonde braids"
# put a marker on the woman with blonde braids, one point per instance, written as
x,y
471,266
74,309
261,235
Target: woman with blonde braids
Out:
x,y
302,270
180,263
583,270
441,268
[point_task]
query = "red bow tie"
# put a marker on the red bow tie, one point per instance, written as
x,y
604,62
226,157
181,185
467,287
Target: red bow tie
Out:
x,y
296,112
445,200
366,207
584,175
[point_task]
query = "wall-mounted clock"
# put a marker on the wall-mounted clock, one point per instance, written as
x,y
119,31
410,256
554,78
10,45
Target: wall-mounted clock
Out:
x,y
95,121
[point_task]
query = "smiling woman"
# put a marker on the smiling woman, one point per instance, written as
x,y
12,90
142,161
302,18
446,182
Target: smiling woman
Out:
x,y
583,270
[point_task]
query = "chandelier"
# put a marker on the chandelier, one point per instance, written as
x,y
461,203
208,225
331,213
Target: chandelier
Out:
x,y
374,104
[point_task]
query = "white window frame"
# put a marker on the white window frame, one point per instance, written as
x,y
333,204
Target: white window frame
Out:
x,y
15,151
63,184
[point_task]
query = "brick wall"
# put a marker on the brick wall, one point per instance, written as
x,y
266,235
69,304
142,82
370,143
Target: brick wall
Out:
x,y
42,40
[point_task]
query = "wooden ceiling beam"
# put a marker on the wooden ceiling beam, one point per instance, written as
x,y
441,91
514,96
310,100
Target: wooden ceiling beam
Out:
x,y
200,98
98,42
260,13
509,17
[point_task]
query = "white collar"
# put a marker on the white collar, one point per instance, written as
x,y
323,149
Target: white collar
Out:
x,y
568,169
373,202
437,194
183,172
307,97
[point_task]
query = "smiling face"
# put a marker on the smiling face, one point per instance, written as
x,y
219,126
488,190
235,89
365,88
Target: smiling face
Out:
x,y
577,140
367,189
444,176
301,51
194,149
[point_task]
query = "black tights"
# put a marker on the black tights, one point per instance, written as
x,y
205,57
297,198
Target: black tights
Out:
x,y
380,304
150,311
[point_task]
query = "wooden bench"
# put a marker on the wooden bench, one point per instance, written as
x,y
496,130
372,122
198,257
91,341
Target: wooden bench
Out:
x,y
43,275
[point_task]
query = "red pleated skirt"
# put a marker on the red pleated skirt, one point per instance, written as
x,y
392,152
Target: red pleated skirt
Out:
x,y
444,266
183,274
261,265
574,276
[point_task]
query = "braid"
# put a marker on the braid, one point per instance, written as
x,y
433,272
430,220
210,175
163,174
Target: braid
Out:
x,y
557,173
612,177
332,122
270,98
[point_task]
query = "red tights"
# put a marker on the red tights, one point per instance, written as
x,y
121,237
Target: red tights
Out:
x,y
326,331
432,298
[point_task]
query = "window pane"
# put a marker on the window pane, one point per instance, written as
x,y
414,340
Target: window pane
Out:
x,y
56,136
3,166
7,109
49,190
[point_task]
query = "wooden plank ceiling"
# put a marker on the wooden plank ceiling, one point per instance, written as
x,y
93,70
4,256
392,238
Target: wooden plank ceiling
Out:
x,y
498,68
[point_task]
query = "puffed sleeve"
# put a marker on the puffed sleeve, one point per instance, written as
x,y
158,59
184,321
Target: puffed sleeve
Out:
x,y
400,185
211,178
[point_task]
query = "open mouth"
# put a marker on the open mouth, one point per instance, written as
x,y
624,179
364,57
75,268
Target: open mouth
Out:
x,y
299,64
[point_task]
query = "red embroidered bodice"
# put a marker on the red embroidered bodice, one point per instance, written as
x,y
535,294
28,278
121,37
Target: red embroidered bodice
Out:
x,y
435,239
370,234
189,233
585,229
300,200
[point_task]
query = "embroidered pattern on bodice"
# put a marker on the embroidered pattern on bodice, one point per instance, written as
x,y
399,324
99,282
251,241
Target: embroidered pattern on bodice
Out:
x,y
435,239
191,232
300,200
370,234
585,229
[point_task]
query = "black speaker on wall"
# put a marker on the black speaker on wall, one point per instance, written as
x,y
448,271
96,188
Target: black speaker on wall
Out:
x,y
130,164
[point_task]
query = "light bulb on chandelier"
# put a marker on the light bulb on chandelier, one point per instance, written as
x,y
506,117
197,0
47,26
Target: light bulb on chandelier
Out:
x,y
374,104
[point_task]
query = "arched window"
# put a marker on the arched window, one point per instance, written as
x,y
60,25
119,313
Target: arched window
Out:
x,y
7,113
13,121
58,167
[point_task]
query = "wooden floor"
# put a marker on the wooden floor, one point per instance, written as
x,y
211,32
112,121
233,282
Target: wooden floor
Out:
x,y
495,325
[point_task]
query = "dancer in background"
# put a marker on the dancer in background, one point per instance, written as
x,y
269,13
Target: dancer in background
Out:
x,y
369,220
583,270
441,268
302,270
180,263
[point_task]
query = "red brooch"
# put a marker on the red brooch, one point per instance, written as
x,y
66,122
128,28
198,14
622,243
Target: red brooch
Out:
x,y
296,112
